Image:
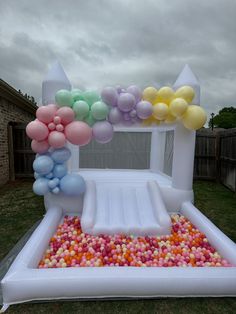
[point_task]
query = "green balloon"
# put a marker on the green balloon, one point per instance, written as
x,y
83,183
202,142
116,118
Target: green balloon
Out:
x,y
91,97
90,120
99,110
64,98
77,94
81,109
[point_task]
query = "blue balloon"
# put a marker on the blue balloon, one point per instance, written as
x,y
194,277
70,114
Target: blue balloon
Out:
x,y
59,171
53,183
73,184
56,190
50,175
37,175
61,155
40,186
43,165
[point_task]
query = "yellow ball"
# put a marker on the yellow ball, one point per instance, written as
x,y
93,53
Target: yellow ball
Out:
x,y
165,94
185,92
170,118
160,111
178,106
150,94
194,118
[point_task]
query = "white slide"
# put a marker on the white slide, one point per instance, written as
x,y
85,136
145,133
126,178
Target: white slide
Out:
x,y
131,208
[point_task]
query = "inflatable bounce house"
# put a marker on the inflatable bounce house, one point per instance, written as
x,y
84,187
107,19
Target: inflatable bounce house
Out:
x,y
110,233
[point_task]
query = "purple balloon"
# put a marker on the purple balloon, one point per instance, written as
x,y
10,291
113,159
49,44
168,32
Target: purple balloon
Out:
x,y
133,113
136,91
103,131
126,102
144,109
115,115
109,96
126,116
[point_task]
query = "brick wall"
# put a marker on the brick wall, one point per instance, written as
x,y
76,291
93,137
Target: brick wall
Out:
x,y
9,112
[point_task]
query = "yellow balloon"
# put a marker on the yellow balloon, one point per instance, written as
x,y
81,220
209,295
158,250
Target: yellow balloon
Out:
x,y
194,118
185,92
165,94
160,111
150,94
170,118
178,106
150,121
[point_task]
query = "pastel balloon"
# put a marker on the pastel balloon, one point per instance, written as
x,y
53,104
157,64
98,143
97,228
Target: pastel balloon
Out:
x,y
60,127
170,118
77,94
37,130
91,97
144,109
56,190
61,155
103,131
64,98
39,147
99,110
133,113
57,120
81,109
115,115
43,164
150,94
51,126
46,114
59,171
56,139
37,175
126,102
178,106
40,186
186,92
78,133
73,185
126,116
160,111
194,118
109,95
165,94
53,183
49,175
135,91
66,114
90,119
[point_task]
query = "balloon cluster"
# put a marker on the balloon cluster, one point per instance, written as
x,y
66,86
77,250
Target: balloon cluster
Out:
x,y
127,106
51,174
169,105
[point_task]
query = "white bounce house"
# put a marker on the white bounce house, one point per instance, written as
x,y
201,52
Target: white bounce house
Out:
x,y
114,203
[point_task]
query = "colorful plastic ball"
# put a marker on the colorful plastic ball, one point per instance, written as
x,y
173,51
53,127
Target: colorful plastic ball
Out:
x,y
46,114
77,94
81,109
109,95
99,110
56,139
59,171
178,106
72,185
91,97
144,109
103,131
66,114
39,147
160,111
185,92
126,102
43,164
194,118
135,91
150,94
64,98
53,183
78,133
61,155
40,186
37,130
115,115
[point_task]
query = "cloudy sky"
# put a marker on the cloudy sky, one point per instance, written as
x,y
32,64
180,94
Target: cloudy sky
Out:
x,y
105,42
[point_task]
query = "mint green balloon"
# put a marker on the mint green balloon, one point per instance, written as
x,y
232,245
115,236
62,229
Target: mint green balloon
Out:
x,y
81,109
91,97
99,110
77,94
63,98
90,120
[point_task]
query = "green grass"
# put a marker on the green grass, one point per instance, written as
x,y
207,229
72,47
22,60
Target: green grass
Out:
x,y
20,209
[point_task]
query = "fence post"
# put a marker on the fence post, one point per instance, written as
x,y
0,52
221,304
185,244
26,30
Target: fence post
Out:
x,y
217,156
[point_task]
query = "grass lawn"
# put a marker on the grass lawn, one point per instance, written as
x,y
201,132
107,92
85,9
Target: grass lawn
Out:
x,y
20,209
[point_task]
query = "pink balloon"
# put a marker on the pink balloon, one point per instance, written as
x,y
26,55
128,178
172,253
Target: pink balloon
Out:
x,y
37,130
57,120
56,139
78,133
46,113
66,114
39,147
59,127
51,126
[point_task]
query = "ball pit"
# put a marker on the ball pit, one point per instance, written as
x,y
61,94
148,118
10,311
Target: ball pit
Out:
x,y
185,247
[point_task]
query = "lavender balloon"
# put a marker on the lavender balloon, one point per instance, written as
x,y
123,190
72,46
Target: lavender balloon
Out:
x,y
126,102
135,91
144,109
103,132
115,115
109,96
133,113
126,116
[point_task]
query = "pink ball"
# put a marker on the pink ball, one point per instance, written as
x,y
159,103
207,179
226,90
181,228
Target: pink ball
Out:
x,y
60,127
57,119
66,114
39,147
78,133
46,113
56,139
37,130
51,126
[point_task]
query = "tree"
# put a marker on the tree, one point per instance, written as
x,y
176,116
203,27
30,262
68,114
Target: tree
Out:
x,y
226,118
